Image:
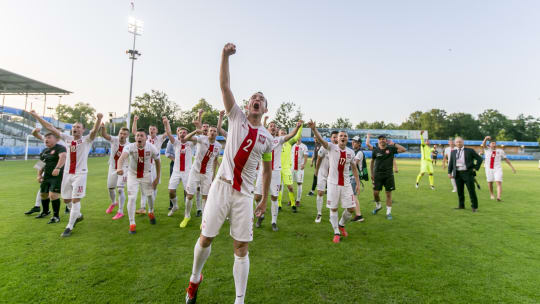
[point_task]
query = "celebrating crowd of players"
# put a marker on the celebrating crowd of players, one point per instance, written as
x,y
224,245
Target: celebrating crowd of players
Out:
x,y
258,161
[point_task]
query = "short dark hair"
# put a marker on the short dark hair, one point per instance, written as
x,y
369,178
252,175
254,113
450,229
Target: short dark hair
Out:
x,y
124,129
334,132
78,122
51,134
141,130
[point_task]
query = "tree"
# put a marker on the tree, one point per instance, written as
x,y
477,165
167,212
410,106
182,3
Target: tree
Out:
x,y
287,115
323,125
152,107
524,128
502,136
80,112
413,122
210,115
342,123
464,125
434,121
492,121
362,125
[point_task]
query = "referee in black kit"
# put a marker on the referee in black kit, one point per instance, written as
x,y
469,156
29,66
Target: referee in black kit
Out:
x,y
50,172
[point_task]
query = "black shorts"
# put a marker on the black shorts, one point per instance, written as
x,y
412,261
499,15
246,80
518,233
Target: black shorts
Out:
x,y
51,184
384,180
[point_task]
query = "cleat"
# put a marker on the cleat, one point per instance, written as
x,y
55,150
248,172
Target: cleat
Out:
x,y
191,291
259,221
66,233
54,220
499,200
33,210
337,238
343,231
358,218
474,210
417,186
294,209
376,210
43,214
199,213
152,218
279,208
118,215
141,211
274,227
172,211
318,218
297,204
492,197
311,193
111,208
454,190
170,205
79,219
184,222
389,216
132,229
67,211
432,187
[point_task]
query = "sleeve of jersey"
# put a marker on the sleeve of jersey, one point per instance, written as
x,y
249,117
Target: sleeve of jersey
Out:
x,y
126,149
297,136
61,149
156,153
235,113
422,140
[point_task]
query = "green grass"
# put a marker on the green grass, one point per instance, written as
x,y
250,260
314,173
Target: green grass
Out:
x,y
429,253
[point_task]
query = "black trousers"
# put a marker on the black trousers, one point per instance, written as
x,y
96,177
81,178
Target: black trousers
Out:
x,y
466,178
314,184
171,167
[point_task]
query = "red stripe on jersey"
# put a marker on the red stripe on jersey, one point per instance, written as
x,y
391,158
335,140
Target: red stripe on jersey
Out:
x,y
117,156
272,160
492,160
73,157
242,156
296,147
341,168
182,163
206,158
140,163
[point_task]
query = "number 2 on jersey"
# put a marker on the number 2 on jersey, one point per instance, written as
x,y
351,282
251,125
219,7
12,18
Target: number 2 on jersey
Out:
x,y
249,142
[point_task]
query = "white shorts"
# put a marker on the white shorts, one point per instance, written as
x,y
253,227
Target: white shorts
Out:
x,y
321,182
197,180
343,194
73,186
223,201
114,180
176,178
275,183
133,184
298,176
494,175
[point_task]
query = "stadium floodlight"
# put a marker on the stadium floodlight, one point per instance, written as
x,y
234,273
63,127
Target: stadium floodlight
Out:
x,y
135,27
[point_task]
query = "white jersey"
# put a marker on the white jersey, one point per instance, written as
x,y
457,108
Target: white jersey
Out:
x,y
183,154
277,147
323,166
243,151
142,160
494,158
339,165
359,157
206,154
447,152
116,152
298,153
77,156
157,141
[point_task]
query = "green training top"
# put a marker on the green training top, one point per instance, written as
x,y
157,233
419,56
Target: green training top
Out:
x,y
425,149
286,162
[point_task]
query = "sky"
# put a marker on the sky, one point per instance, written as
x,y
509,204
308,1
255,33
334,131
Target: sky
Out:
x,y
363,60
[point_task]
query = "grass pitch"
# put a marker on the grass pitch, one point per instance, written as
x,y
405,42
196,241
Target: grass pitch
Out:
x,y
429,253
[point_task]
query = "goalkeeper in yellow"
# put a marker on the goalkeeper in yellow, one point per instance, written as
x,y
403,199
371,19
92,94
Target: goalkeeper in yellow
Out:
x,y
286,174
426,166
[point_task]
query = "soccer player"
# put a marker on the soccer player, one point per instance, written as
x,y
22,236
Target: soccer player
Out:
x,y
53,158
169,153
434,153
116,183
382,174
230,193
446,158
314,159
157,141
339,186
321,169
299,156
425,162
73,187
143,156
360,163
286,174
493,165
37,203
182,165
275,184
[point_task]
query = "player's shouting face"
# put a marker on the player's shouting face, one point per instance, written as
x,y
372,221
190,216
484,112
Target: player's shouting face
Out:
x,y
140,138
153,131
257,104
272,128
212,133
50,140
343,138
77,129
123,134
181,133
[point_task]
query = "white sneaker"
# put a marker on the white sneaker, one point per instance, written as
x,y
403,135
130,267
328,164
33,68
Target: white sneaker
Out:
x,y
454,190
492,197
173,209
416,185
318,218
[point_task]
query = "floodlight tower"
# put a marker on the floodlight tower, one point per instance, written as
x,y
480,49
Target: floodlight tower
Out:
x,y
135,27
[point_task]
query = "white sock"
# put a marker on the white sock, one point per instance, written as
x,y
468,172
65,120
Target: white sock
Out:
x,y
155,195
299,193
112,195
198,197
274,209
121,200
345,217
187,212
319,204
74,214
240,273
453,181
200,255
203,201
378,205
150,204
131,205
70,205
334,221
388,210
143,201
38,199
174,201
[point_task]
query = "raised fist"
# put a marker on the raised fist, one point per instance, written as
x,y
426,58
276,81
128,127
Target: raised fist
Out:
x,y
229,49
488,137
36,130
135,117
311,124
201,111
422,132
299,123
222,113
165,119
99,116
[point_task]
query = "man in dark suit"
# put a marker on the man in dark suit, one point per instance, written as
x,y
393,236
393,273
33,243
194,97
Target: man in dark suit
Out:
x,y
462,166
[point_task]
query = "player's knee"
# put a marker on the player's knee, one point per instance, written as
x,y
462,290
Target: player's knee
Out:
x,y
290,188
241,248
53,195
351,210
320,193
273,197
205,241
204,197
44,196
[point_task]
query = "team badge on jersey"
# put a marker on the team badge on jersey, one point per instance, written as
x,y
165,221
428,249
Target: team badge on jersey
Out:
x,y
262,139
52,151
387,152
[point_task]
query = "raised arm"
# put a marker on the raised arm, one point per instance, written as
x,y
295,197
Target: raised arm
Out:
x,y
189,137
134,125
197,122
265,121
297,136
220,123
313,127
368,144
36,134
400,148
46,124
104,133
294,132
97,124
224,77
167,126
422,143
483,145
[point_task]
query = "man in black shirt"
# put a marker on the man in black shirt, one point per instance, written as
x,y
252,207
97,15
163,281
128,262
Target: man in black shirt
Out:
x,y
314,161
382,171
50,175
